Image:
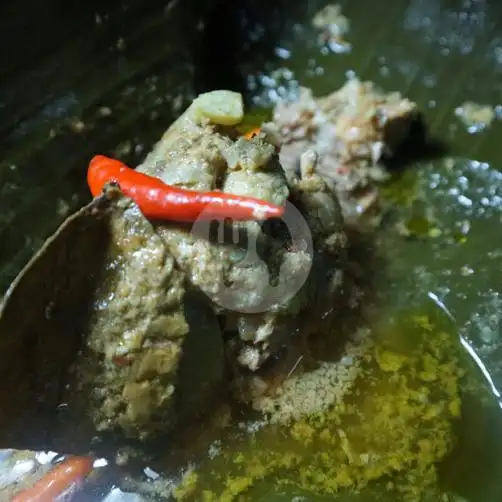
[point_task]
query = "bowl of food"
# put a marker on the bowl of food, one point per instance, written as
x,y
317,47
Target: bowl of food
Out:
x,y
251,252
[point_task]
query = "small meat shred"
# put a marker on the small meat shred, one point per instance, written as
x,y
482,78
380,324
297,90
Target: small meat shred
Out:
x,y
334,26
474,116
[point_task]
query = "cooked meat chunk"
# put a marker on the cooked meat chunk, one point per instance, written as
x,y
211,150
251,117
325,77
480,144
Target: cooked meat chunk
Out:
x,y
238,279
154,351
349,130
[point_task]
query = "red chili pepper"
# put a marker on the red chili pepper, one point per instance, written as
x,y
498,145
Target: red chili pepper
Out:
x,y
159,201
57,481
252,133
